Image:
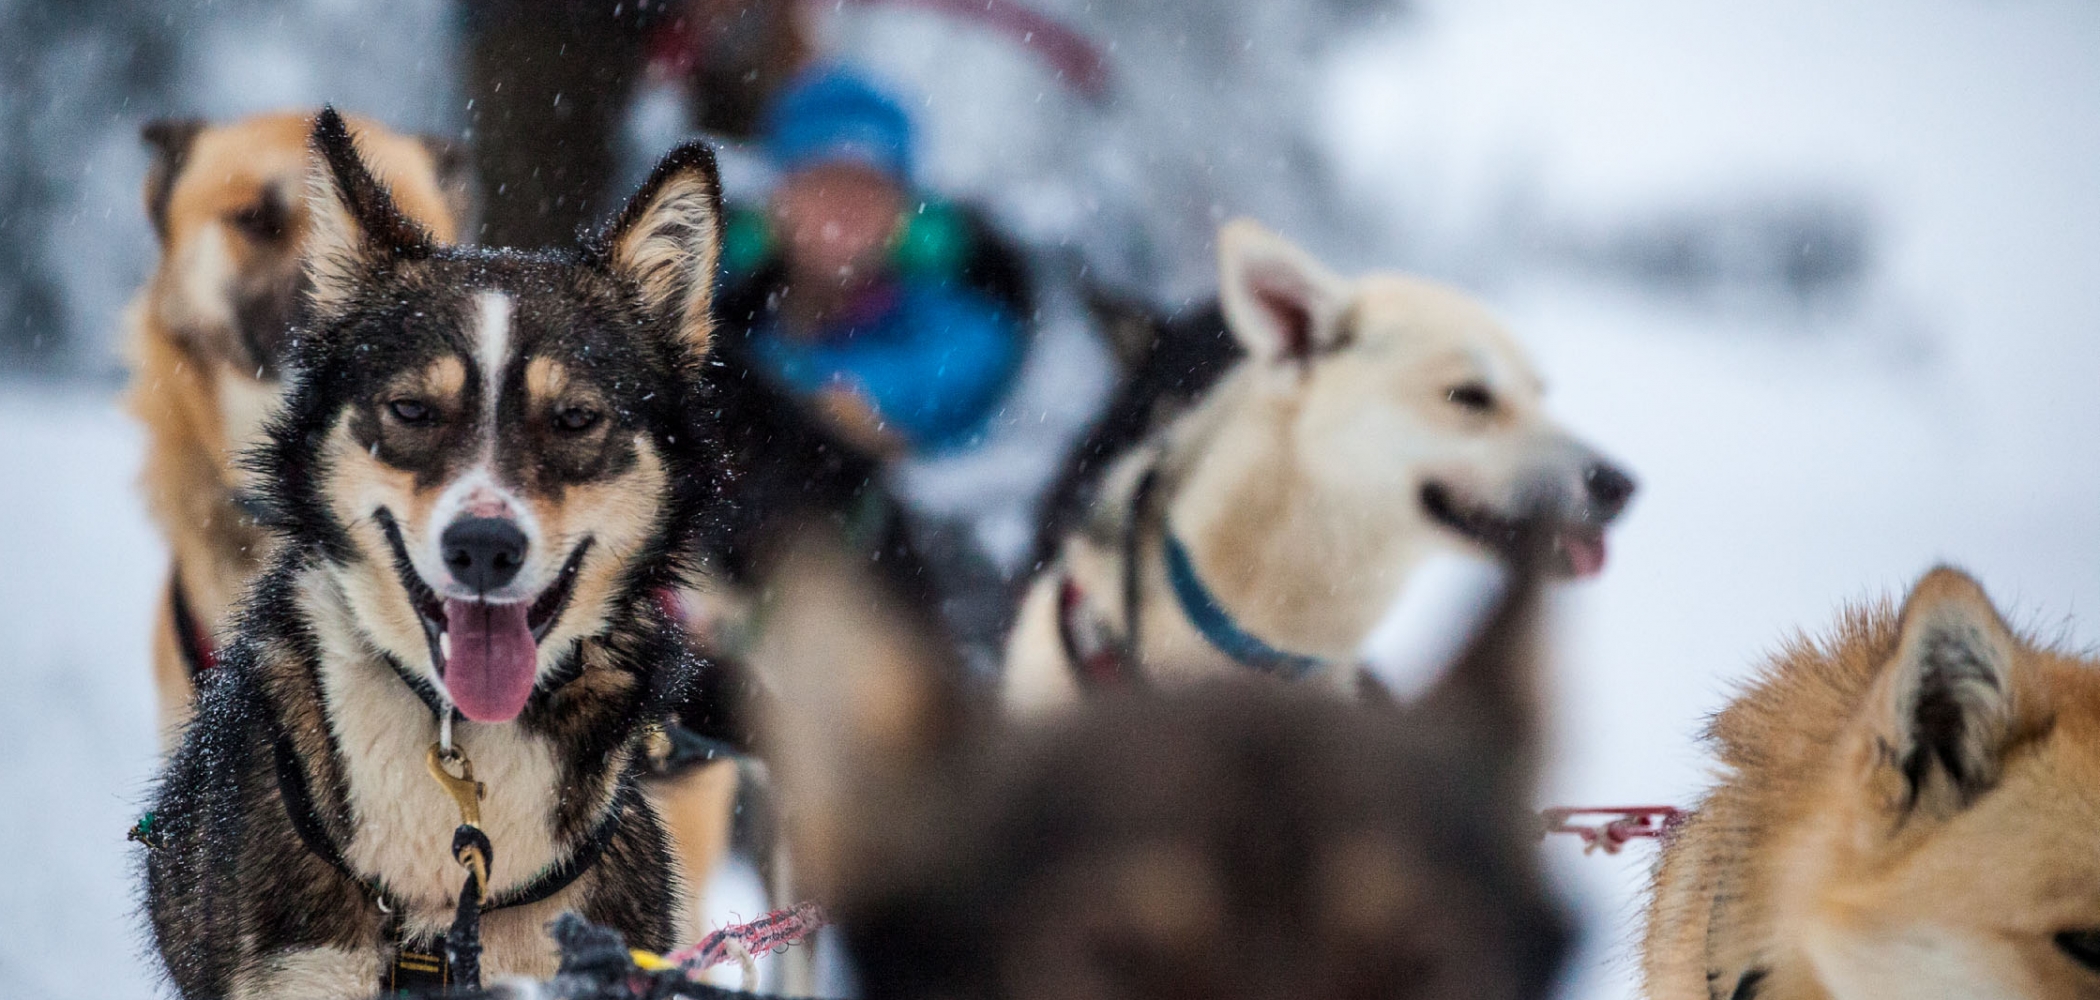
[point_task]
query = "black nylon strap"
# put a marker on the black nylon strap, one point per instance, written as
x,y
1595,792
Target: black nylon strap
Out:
x,y
463,941
626,796
1133,576
198,656
1116,663
306,821
421,688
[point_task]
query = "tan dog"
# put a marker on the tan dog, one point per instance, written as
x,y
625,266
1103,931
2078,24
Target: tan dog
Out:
x,y
1372,423
1910,808
228,203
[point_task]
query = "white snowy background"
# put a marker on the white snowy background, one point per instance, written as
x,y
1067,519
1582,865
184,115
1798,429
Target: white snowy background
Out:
x,y
1795,451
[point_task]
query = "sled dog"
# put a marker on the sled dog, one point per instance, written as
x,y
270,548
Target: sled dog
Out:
x,y
1906,809
1218,840
1268,524
487,470
207,336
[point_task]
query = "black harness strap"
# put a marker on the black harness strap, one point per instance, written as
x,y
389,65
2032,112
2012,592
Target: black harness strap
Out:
x,y
198,654
1100,659
1133,571
1098,656
306,821
455,959
421,688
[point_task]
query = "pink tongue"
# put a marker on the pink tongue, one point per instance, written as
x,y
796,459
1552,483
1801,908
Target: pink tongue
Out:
x,y
1585,553
489,671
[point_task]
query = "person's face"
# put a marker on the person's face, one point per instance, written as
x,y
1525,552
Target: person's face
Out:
x,y
836,219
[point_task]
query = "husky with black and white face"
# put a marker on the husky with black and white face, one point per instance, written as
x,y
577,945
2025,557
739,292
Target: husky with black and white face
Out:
x,y
487,468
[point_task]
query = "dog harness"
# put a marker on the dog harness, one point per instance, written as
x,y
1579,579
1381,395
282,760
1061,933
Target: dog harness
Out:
x,y
1103,659
454,959
191,638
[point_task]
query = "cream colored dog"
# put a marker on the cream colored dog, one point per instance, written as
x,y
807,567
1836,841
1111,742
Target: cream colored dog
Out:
x,y
1372,423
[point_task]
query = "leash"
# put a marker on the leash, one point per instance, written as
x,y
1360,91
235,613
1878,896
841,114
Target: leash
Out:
x,y
743,943
471,848
1629,823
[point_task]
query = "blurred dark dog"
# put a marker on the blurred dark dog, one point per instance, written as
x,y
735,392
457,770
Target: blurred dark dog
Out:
x,y
1220,841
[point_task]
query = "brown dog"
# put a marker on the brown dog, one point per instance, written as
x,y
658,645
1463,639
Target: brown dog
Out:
x,y
1910,808
229,205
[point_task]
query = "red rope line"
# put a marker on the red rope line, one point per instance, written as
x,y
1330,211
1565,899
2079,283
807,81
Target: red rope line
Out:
x,y
1628,823
776,931
783,929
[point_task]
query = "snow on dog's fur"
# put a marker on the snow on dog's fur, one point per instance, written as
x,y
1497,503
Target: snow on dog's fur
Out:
x,y
1372,423
488,466
1910,807
208,331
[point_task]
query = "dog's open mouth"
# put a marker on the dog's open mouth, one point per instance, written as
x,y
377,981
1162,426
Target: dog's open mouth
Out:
x,y
1578,549
487,653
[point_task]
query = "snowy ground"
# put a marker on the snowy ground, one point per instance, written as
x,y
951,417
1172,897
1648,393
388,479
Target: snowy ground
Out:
x,y
1791,459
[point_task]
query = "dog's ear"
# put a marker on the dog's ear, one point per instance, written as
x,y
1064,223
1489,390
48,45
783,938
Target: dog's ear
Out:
x,y
454,170
169,140
868,708
357,230
668,241
1131,328
1281,303
1946,708
1490,694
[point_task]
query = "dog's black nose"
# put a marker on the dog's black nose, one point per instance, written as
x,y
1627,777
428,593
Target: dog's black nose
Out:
x,y
1609,489
484,552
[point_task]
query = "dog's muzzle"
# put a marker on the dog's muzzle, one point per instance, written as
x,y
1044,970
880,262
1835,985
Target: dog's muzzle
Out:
x,y
485,652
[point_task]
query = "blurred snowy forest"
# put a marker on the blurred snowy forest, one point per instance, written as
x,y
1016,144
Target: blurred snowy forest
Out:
x,y
1821,273
1200,118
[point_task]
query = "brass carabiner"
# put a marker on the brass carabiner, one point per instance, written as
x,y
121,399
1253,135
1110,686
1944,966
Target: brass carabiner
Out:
x,y
465,791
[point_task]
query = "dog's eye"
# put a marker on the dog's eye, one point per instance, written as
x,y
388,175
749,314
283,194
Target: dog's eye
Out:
x,y
575,418
265,221
2082,946
1472,396
413,412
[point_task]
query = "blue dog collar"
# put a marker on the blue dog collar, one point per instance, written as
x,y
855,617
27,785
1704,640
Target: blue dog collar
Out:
x,y
1215,623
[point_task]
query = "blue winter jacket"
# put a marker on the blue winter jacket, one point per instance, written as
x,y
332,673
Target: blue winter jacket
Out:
x,y
933,363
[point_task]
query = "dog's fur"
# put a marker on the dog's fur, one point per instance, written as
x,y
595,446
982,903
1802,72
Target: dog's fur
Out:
x,y
1908,808
1222,841
559,392
1370,424
207,335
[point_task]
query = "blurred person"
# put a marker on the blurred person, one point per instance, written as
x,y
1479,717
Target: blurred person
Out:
x,y
894,315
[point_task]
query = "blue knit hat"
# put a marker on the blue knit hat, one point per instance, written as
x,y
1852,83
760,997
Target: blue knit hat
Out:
x,y
829,114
